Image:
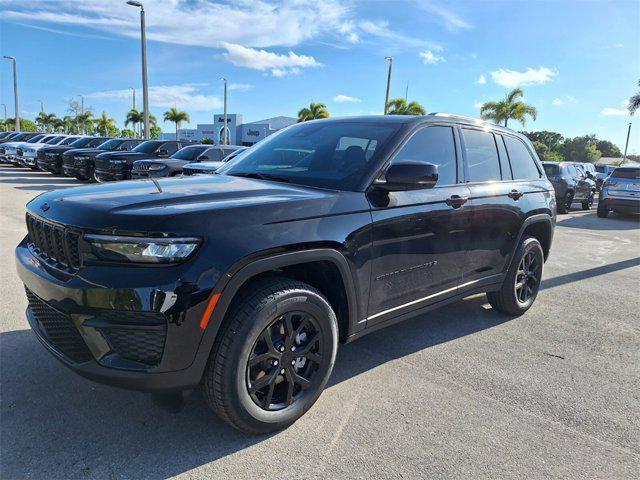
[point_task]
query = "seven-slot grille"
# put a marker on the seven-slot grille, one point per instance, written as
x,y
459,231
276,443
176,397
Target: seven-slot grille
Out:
x,y
145,167
57,245
19,152
58,329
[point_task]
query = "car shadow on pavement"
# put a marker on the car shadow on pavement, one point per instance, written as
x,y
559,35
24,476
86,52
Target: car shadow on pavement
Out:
x,y
52,417
590,221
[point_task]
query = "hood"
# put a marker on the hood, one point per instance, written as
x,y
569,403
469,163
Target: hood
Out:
x,y
13,145
172,162
56,148
35,146
124,155
84,151
201,202
204,165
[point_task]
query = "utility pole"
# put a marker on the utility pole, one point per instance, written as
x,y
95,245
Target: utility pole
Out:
x,y
145,89
224,128
81,113
626,145
133,91
15,91
386,99
6,127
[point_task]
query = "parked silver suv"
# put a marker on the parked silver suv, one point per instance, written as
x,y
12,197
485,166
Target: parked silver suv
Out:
x,y
621,192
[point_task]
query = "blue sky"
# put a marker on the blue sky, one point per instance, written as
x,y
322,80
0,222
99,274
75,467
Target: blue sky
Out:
x,y
577,61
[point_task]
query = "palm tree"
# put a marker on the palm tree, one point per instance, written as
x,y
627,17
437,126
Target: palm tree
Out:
x,y
634,102
315,111
177,117
103,123
510,107
85,122
134,117
46,120
399,106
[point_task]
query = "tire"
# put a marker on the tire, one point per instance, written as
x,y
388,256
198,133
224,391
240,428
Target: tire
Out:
x,y
509,299
255,328
565,204
587,204
602,211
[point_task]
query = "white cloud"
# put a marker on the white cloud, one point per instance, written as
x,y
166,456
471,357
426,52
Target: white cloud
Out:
x,y
477,104
430,58
381,29
279,64
558,102
451,20
614,112
185,97
240,86
531,76
481,80
346,99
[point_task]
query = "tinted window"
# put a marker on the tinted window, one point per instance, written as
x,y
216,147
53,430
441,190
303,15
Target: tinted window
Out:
x,y
188,153
149,146
95,142
632,173
482,156
522,163
505,167
55,140
309,153
68,141
110,145
432,145
171,147
81,142
214,154
551,170
35,139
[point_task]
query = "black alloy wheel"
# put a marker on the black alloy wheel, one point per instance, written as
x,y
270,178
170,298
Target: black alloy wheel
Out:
x,y
528,277
284,361
564,205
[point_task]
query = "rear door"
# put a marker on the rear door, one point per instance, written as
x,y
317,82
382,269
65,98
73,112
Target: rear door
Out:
x,y
419,236
497,205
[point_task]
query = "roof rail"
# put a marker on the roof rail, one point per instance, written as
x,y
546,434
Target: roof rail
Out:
x,y
453,115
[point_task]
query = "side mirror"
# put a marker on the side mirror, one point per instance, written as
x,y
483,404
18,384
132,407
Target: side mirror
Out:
x,y
163,153
410,175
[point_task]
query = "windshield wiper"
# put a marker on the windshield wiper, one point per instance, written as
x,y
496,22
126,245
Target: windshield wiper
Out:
x,y
260,176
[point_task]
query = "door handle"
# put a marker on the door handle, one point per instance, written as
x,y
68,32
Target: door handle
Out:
x,y
515,194
456,201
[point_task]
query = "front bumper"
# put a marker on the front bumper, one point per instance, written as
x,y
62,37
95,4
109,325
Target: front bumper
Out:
x,y
77,170
143,338
50,164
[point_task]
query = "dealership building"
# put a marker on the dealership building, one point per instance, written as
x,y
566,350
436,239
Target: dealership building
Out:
x,y
239,133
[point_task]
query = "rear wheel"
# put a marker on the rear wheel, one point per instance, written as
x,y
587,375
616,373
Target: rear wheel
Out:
x,y
603,212
272,357
520,287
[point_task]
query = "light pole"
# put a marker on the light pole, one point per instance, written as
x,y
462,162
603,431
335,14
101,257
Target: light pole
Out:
x,y
386,99
15,91
6,127
145,92
626,145
224,128
133,91
42,112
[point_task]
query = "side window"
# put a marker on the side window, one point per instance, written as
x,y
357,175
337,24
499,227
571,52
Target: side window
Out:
x,y
171,148
522,163
432,145
507,174
481,155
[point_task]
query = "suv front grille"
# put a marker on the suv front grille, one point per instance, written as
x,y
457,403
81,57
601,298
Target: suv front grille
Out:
x,y
145,167
19,152
41,155
58,328
55,244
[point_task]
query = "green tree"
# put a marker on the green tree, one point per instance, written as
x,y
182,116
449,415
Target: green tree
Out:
x,y
154,131
608,149
207,141
85,123
134,117
508,108
399,106
634,102
552,140
46,120
25,125
176,116
103,123
127,133
546,154
581,149
315,111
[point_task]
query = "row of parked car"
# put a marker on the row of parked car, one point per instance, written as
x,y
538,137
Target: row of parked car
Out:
x,y
104,159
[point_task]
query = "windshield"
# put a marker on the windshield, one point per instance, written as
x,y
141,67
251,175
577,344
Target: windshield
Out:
x,y
321,154
81,142
55,140
112,144
188,153
630,173
19,137
68,141
149,146
551,170
35,139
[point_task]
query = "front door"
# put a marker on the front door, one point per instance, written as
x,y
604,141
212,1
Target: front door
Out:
x,y
419,236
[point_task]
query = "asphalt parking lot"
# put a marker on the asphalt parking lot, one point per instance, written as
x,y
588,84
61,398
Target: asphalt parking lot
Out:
x,y
462,392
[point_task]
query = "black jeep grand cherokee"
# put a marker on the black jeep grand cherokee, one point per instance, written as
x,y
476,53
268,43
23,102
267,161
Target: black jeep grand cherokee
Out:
x,y
246,281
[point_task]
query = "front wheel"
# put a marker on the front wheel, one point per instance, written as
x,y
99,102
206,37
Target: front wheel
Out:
x,y
565,203
520,287
272,357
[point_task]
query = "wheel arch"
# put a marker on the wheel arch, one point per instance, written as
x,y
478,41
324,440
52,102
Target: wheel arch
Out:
x,y
539,226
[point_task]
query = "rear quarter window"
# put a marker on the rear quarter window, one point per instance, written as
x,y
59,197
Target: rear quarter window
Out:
x,y
523,164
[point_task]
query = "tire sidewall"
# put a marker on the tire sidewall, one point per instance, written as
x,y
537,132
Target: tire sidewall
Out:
x,y
528,244
292,300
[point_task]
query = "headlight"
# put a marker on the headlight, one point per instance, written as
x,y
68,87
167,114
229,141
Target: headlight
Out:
x,y
142,250
156,166
118,162
82,158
